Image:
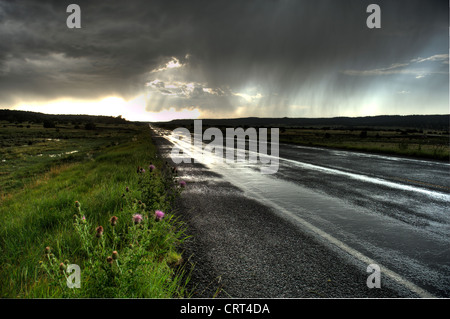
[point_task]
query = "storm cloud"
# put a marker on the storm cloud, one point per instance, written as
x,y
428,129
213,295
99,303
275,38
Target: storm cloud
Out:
x,y
230,58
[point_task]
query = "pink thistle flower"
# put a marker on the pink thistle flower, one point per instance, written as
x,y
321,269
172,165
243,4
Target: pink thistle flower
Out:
x,y
151,167
113,220
159,215
109,260
137,218
99,231
182,184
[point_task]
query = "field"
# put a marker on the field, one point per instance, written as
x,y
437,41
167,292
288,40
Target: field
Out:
x,y
404,142
28,150
411,136
59,185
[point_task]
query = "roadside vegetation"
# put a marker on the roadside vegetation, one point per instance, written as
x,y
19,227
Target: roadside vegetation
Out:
x,y
424,136
97,197
429,144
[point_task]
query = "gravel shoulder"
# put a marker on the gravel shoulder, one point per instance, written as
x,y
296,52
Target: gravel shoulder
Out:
x,y
243,249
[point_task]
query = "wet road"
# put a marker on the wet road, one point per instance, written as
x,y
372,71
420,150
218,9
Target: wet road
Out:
x,y
389,211
392,210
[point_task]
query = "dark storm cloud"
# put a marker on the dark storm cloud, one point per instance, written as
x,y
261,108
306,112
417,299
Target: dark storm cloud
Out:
x,y
278,47
115,46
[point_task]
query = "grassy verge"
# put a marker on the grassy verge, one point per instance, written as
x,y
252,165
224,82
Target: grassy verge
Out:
x,y
429,145
42,231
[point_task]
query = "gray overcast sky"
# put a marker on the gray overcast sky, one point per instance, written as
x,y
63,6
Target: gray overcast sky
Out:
x,y
266,58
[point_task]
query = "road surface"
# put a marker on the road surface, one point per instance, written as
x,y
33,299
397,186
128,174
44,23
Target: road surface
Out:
x,y
312,228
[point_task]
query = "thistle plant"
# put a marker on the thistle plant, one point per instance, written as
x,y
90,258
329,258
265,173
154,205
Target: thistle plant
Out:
x,y
56,271
132,252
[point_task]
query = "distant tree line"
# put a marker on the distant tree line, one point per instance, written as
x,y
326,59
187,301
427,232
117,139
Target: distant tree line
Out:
x,y
49,120
393,122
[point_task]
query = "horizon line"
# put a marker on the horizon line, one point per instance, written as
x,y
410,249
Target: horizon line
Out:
x,y
227,118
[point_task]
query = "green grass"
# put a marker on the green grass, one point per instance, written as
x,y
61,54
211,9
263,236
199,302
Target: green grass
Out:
x,y
26,153
431,145
41,212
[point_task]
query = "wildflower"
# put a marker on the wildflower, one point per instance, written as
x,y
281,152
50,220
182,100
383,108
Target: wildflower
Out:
x,y
115,255
113,220
137,218
127,189
99,231
142,170
109,259
151,167
159,215
83,219
77,204
182,184
62,266
47,250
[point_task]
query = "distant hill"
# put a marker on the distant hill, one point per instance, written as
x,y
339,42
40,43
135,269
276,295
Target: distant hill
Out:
x,y
14,116
435,122
429,122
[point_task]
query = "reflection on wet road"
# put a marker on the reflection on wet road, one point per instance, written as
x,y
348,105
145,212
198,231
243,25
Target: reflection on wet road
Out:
x,y
390,211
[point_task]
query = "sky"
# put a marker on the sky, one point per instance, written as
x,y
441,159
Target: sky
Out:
x,y
153,60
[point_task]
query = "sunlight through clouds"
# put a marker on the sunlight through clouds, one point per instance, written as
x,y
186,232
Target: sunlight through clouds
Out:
x,y
269,60
133,110
172,64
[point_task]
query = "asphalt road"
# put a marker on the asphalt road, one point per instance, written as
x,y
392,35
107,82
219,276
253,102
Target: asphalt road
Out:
x,y
312,229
